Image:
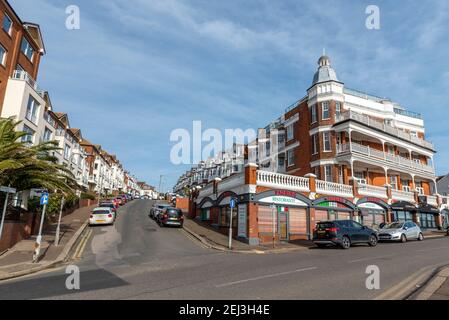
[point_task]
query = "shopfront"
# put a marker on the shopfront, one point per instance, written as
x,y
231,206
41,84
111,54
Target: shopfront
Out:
x,y
224,212
428,216
334,208
282,214
403,211
372,212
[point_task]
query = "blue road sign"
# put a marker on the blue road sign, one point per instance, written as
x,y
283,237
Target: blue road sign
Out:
x,y
232,203
44,199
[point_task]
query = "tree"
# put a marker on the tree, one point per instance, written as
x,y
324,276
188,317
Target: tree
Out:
x,y
26,167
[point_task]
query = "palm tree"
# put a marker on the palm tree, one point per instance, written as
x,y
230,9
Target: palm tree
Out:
x,y
26,167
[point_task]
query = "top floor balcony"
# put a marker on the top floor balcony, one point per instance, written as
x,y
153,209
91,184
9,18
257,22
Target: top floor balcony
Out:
x,y
384,127
24,76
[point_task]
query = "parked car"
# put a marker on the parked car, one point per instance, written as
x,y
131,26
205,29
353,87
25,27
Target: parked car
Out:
x,y
109,205
119,201
102,216
171,217
401,231
156,209
343,233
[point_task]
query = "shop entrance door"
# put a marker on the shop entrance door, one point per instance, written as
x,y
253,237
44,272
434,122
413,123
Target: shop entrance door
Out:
x,y
283,223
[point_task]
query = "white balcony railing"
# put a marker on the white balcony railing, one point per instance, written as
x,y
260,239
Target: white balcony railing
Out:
x,y
331,188
432,200
24,76
277,180
377,155
372,191
350,115
403,195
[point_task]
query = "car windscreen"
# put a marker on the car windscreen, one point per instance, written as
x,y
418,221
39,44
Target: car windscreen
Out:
x,y
174,212
395,225
100,212
324,225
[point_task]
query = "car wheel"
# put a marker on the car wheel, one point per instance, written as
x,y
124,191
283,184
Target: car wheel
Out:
x,y
420,237
372,241
345,243
403,238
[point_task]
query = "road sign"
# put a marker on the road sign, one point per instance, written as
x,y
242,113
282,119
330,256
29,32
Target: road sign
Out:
x,y
7,189
44,199
232,203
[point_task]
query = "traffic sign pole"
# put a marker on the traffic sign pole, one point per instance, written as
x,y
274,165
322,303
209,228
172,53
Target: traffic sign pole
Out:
x,y
59,222
37,246
4,214
232,205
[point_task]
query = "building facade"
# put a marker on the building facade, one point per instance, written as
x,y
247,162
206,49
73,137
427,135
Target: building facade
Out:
x,y
336,153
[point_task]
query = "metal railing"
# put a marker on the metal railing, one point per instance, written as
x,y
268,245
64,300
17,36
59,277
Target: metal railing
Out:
x,y
370,122
24,76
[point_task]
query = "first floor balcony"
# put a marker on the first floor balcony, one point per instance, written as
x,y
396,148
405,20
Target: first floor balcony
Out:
x,y
373,156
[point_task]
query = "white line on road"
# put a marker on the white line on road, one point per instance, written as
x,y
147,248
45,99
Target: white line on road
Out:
x,y
432,249
264,277
371,258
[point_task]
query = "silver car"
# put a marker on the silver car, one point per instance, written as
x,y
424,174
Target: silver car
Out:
x,y
401,231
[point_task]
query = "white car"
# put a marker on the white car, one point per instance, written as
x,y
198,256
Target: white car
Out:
x,y
102,216
401,231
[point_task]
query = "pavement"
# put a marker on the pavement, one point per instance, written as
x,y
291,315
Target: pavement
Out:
x,y
136,259
437,288
17,261
211,238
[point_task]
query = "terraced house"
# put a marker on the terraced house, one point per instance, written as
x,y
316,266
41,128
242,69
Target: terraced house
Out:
x,y
337,153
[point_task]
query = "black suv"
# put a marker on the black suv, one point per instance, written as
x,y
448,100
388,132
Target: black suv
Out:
x,y
343,233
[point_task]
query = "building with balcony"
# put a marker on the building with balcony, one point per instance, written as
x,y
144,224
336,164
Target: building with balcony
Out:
x,y
336,153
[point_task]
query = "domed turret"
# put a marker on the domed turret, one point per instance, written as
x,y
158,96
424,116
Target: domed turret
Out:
x,y
325,71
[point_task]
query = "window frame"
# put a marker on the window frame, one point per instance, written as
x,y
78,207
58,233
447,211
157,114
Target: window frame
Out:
x,y
290,132
35,107
314,114
8,32
292,154
315,146
325,106
328,175
328,134
27,49
5,55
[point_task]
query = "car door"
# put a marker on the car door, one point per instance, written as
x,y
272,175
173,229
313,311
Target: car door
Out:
x,y
361,231
410,232
415,229
351,231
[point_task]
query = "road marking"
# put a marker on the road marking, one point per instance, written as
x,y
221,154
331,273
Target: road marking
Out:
x,y
371,258
264,277
434,248
193,239
82,245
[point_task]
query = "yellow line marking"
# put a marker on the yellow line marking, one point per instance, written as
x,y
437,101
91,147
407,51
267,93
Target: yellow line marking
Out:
x,y
81,246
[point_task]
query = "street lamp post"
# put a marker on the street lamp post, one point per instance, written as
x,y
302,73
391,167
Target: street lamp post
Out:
x,y
37,245
59,222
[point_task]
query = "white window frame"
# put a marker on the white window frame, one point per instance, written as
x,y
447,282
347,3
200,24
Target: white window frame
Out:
x,y
314,115
290,132
360,177
328,134
46,139
315,146
6,16
337,108
67,152
29,138
290,158
394,184
328,175
32,109
325,106
3,58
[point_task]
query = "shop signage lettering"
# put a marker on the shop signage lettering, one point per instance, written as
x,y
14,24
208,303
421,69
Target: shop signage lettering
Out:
x,y
242,224
286,193
283,200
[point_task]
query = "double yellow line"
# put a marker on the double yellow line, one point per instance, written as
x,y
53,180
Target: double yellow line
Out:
x,y
82,245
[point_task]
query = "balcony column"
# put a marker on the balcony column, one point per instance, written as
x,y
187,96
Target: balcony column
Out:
x,y
386,175
350,143
352,168
383,149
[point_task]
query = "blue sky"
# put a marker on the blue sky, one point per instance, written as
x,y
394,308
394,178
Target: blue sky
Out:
x,y
138,69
